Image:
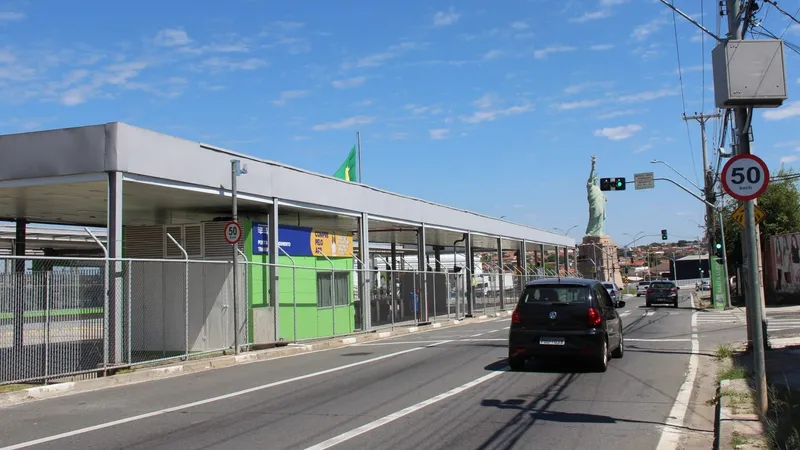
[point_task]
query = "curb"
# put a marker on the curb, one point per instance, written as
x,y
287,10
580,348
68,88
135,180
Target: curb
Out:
x,y
730,422
157,373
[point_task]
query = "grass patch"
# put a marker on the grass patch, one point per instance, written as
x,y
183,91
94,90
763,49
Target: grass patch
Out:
x,y
732,373
737,440
629,290
783,419
723,351
13,387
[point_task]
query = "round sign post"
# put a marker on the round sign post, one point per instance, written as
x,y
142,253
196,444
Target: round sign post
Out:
x,y
745,177
233,233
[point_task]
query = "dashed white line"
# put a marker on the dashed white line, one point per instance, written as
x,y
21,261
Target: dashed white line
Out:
x,y
476,335
160,412
402,413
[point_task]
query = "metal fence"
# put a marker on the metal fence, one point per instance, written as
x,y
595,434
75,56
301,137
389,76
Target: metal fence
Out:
x,y
61,317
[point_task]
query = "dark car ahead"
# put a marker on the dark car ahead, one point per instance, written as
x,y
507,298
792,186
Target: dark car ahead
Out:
x,y
565,317
662,292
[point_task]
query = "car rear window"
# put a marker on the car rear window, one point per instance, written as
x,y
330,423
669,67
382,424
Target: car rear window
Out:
x,y
608,285
662,285
644,283
556,293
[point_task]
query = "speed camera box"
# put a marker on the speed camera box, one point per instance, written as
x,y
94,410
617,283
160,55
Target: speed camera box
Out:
x,y
749,73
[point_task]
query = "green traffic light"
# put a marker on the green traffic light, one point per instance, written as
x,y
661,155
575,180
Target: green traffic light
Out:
x,y
719,246
619,183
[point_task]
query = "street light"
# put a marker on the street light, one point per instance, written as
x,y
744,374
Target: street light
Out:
x,y
565,232
658,161
237,169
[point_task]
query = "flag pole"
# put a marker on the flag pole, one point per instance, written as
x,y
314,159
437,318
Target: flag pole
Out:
x,y
358,142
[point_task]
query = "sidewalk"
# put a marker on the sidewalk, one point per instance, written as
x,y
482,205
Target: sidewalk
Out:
x,y
738,426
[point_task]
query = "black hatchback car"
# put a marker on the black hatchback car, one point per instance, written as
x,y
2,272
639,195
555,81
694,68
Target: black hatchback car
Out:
x,y
565,317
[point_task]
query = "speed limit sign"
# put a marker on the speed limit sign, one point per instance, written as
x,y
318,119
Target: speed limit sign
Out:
x,y
233,233
745,177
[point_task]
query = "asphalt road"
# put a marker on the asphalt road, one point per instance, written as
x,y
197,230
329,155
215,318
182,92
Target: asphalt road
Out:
x,y
447,388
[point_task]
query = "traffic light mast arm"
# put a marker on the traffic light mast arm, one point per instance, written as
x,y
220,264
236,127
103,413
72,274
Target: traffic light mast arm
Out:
x,y
688,192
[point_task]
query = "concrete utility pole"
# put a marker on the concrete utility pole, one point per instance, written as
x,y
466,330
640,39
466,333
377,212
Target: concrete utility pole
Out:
x,y
750,245
708,181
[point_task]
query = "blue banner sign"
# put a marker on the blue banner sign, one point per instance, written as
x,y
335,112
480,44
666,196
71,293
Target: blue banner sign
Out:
x,y
295,241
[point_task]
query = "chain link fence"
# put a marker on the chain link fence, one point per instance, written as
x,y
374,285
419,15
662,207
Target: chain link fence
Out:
x,y
61,317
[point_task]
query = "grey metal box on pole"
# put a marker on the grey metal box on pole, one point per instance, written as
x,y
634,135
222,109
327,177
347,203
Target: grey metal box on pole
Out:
x,y
749,73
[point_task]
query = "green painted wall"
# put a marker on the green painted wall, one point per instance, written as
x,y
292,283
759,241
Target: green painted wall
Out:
x,y
298,285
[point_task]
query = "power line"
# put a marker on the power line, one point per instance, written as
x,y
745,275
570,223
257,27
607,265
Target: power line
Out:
x,y
683,95
790,16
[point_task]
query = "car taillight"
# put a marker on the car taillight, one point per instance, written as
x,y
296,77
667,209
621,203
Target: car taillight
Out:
x,y
594,317
515,315
674,290
649,291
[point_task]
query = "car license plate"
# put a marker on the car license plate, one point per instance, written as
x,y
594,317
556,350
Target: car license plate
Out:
x,y
551,341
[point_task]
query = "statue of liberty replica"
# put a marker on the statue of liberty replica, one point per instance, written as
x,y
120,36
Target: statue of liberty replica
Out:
x,y
597,204
597,254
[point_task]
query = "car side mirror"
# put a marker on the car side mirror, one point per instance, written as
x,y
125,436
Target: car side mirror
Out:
x,y
621,304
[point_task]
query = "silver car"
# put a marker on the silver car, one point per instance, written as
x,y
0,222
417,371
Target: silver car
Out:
x,y
641,289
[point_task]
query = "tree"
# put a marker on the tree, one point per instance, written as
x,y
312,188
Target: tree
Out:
x,y
780,202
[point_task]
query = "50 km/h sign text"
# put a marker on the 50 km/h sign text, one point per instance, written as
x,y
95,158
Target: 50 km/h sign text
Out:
x,y
745,177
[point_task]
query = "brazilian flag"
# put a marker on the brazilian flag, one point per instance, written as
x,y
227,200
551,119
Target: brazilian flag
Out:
x,y
347,171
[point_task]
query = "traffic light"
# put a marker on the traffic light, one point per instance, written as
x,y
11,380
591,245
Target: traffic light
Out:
x,y
612,184
718,250
663,235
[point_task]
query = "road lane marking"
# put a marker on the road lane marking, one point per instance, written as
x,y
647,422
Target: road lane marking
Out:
x,y
160,412
506,328
476,335
672,432
402,413
625,314
493,331
658,340
368,344
649,313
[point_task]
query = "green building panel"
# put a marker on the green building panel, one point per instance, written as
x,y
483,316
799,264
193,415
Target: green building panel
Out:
x,y
298,293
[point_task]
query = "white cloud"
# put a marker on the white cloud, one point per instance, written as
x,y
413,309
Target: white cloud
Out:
x,y
618,133
443,18
593,15
378,59
289,95
790,159
120,75
790,109
612,2
619,113
542,53
577,105
344,123
172,37
349,83
11,16
601,47
643,31
491,115
493,54
519,25
218,64
417,110
576,88
643,148
647,96
439,133
485,101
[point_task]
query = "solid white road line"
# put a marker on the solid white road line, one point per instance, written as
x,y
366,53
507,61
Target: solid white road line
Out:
x,y
658,340
476,335
160,412
403,412
671,435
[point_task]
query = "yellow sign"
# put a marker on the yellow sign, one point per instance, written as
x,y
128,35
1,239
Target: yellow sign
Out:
x,y
738,215
330,244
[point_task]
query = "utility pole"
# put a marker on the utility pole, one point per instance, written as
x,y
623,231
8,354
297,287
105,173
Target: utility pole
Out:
x,y
708,185
750,241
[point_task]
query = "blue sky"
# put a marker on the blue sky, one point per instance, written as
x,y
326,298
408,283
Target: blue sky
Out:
x,y
495,109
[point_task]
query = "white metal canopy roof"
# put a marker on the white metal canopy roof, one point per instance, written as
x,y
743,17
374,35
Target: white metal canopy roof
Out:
x,y
43,172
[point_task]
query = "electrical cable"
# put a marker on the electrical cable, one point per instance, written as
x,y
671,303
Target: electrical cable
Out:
x,y
683,95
